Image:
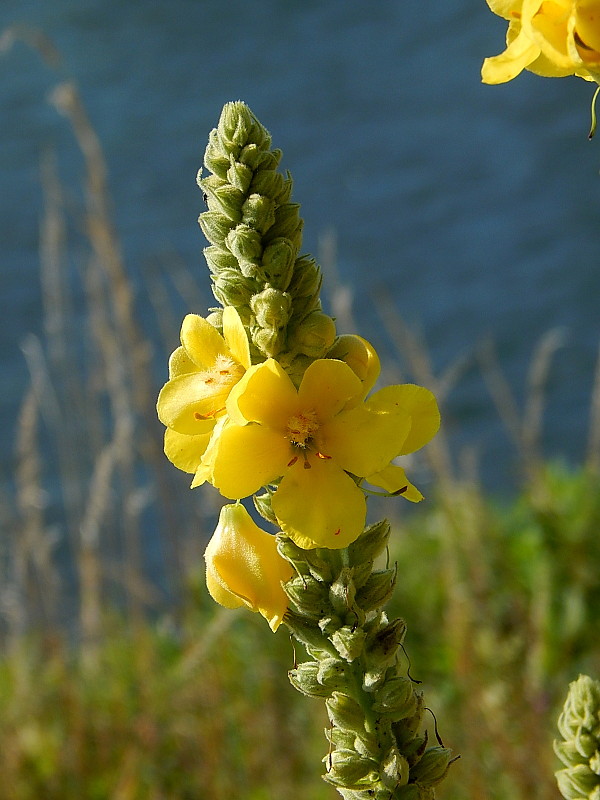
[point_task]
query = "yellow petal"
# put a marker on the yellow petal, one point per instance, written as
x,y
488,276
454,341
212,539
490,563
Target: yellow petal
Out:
x,y
244,566
180,363
189,403
326,387
202,342
506,66
184,451
360,356
265,394
319,507
248,457
393,479
362,440
236,337
415,402
217,588
508,9
546,25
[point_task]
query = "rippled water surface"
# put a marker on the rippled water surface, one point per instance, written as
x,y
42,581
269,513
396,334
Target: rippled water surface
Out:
x,y
474,209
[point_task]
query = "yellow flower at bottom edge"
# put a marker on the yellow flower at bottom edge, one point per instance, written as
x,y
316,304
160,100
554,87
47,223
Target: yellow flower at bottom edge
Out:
x,y
552,38
243,566
317,442
202,372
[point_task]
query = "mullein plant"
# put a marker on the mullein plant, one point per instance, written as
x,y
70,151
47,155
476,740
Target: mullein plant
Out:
x,y
552,38
265,400
579,746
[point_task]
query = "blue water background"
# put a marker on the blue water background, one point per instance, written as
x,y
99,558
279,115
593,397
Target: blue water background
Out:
x,y
474,208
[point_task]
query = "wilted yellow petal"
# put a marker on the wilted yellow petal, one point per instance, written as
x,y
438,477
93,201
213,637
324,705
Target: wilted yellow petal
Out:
x,y
244,566
319,507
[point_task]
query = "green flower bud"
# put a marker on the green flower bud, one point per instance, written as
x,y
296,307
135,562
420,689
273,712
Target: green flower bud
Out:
x,y
272,308
307,632
349,642
287,224
577,782
370,544
216,318
225,199
344,712
331,673
271,184
314,335
215,159
240,176
387,641
432,767
343,591
340,738
304,679
238,126
346,768
269,341
231,289
306,279
396,698
278,262
377,590
258,212
244,242
219,259
215,227
308,595
394,770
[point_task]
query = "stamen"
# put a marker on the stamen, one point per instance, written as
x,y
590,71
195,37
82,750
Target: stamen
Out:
x,y
293,461
337,533
322,455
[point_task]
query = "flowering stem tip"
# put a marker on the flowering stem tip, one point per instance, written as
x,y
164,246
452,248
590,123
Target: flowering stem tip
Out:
x,y
579,747
265,401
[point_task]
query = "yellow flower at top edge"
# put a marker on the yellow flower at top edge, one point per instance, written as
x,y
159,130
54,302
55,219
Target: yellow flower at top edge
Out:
x,y
318,442
243,566
202,372
552,38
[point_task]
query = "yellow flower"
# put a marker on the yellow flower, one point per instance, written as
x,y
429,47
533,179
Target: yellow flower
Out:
x,y
552,38
243,566
318,441
202,372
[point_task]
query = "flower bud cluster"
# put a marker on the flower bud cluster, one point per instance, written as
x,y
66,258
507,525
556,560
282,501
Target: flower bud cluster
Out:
x,y
375,712
255,234
579,726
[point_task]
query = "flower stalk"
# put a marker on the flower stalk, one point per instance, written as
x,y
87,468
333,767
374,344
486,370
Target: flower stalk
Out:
x,y
377,749
265,401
